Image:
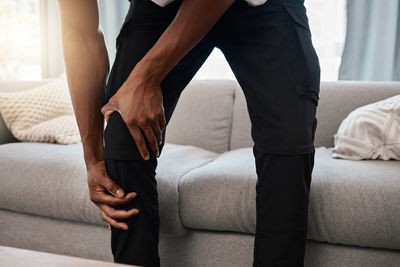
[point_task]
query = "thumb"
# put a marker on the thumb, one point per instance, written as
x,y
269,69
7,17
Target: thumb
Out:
x,y
107,109
112,187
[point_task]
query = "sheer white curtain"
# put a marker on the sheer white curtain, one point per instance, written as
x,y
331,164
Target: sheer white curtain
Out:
x,y
51,48
112,15
327,22
20,41
372,50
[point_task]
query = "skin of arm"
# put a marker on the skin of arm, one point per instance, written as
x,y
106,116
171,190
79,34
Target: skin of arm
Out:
x,y
139,100
87,67
86,62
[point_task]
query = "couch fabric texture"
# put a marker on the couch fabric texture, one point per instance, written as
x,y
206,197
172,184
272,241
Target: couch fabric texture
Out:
x,y
206,181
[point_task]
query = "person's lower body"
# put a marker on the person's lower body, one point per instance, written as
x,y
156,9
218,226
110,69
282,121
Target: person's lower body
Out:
x,y
138,244
270,52
275,63
281,208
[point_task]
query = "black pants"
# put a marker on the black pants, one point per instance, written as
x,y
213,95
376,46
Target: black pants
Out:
x,y
270,51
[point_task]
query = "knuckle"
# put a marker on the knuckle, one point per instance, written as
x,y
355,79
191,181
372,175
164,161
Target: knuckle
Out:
x,y
159,113
154,116
163,123
113,214
91,185
93,198
112,187
143,121
131,121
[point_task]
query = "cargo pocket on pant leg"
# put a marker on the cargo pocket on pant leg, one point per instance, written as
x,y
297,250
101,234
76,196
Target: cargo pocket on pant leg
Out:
x,y
305,62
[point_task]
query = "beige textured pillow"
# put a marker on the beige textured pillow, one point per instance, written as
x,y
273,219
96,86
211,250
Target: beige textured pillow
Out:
x,y
41,114
370,132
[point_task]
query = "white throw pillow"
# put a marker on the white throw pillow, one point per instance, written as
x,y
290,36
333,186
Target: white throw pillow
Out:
x,y
370,132
42,114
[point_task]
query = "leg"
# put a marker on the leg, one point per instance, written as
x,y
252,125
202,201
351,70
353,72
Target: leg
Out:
x,y
274,62
282,194
139,244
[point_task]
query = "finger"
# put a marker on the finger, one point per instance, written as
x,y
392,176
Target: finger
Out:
x,y
118,214
111,186
157,131
113,222
151,138
109,227
140,141
102,198
162,122
107,109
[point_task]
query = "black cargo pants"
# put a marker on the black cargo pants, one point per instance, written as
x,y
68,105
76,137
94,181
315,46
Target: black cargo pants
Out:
x,y
270,51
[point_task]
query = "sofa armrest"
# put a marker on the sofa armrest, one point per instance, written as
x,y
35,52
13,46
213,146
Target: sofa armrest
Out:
x,y
5,134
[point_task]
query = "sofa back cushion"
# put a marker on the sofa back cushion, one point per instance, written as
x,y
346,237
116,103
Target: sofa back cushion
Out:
x,y
203,115
337,100
212,114
241,126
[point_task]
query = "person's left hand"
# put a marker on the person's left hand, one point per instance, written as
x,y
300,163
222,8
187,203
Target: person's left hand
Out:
x,y
140,103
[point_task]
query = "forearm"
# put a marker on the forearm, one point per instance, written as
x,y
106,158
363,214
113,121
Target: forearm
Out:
x,y
87,66
86,62
192,21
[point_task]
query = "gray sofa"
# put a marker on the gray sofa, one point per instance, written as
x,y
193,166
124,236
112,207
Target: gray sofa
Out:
x,y
206,181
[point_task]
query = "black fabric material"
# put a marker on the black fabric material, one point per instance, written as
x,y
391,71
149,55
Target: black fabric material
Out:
x,y
139,244
282,197
270,51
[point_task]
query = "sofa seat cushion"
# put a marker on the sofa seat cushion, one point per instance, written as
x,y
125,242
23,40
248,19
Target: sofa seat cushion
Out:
x,y
355,202
351,202
174,162
221,194
51,180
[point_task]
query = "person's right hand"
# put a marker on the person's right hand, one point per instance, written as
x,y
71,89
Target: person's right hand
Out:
x,y
99,183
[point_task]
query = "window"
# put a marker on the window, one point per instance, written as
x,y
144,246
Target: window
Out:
x,y
19,40
21,47
327,21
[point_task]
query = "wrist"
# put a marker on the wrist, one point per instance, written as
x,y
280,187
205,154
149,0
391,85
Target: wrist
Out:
x,y
91,162
92,158
152,70
159,61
